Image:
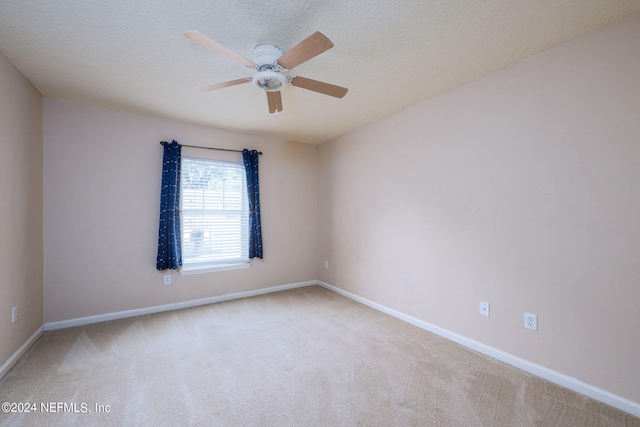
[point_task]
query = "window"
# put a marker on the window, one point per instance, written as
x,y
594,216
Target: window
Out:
x,y
215,215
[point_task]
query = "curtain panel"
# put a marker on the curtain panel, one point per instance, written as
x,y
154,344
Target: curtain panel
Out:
x,y
169,250
250,158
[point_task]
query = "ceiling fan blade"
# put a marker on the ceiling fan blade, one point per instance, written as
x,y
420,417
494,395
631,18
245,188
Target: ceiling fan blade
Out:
x,y
320,87
312,46
217,47
223,84
275,102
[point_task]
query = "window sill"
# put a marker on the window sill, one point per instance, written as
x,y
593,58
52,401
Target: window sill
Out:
x,y
185,271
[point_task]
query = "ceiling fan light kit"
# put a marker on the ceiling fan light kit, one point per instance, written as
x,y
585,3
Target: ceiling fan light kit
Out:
x,y
270,62
269,80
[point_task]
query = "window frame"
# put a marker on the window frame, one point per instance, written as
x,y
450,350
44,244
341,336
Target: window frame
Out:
x,y
222,264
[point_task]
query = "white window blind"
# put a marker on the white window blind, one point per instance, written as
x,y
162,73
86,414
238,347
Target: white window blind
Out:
x,y
215,213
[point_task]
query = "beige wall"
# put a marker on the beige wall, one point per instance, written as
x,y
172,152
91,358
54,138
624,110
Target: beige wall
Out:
x,y
520,189
102,173
20,208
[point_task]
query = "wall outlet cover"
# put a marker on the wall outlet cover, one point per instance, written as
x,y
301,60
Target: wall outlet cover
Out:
x,y
531,321
484,308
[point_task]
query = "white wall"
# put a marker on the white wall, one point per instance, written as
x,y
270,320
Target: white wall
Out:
x,y
102,172
520,189
20,209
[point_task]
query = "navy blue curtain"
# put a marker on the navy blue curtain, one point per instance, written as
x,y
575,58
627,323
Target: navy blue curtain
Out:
x,y
169,250
253,192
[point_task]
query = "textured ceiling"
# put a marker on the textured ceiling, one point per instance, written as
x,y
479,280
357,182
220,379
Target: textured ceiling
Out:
x,y
131,55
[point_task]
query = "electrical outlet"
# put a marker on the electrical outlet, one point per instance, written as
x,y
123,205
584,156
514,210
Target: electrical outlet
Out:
x,y
167,279
484,308
531,321
14,314
326,264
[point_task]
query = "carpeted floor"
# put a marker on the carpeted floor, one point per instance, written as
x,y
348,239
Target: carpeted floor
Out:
x,y
304,357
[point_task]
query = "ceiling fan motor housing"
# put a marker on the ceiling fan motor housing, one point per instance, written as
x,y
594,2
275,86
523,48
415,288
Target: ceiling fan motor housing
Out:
x,y
266,54
268,78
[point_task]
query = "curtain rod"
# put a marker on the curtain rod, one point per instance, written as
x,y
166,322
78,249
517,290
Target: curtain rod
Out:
x,y
209,148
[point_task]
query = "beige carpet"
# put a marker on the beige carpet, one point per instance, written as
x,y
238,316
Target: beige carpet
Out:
x,y
304,357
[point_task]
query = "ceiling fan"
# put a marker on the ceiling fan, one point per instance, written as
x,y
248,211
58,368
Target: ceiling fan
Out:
x,y
270,62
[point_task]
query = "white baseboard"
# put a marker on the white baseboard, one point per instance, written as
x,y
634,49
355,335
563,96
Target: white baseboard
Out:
x,y
50,326
6,366
571,383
